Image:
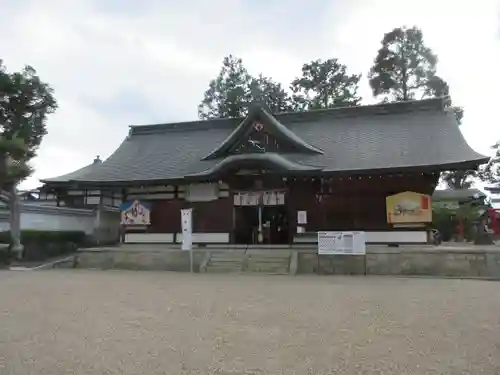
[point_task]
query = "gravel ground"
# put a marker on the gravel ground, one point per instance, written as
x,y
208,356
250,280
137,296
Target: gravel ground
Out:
x,y
148,323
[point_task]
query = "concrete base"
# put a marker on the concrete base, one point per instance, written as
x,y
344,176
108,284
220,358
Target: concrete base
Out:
x,y
466,262
139,260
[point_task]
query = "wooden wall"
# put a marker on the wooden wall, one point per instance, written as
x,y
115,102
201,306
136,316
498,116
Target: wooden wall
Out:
x,y
351,203
342,203
208,217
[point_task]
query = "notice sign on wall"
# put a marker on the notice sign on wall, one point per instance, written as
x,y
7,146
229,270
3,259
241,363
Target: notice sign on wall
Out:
x,y
341,243
301,217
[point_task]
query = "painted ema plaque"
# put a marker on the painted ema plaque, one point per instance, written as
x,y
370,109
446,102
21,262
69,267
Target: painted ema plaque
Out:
x,y
408,207
341,243
135,213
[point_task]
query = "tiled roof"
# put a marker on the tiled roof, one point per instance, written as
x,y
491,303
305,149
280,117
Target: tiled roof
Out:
x,y
359,139
454,194
75,174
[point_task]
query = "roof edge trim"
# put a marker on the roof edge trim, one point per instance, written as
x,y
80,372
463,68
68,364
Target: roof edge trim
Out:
x,y
272,160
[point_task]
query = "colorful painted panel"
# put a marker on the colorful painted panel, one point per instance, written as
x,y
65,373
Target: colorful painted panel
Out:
x,y
408,207
135,213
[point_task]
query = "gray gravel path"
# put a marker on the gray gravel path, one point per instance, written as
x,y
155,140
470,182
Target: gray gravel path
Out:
x,y
119,322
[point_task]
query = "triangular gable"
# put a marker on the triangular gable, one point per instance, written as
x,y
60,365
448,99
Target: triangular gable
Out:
x,y
260,132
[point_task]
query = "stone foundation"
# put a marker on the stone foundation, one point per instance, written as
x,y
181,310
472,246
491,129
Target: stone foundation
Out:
x,y
139,260
424,262
448,263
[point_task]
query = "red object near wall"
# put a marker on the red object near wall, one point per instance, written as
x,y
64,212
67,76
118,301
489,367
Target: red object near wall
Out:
x,y
493,218
424,204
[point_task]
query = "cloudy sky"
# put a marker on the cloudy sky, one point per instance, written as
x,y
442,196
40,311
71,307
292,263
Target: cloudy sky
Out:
x,y
114,63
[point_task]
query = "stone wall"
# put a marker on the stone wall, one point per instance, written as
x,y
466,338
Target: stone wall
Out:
x,y
457,263
436,262
139,260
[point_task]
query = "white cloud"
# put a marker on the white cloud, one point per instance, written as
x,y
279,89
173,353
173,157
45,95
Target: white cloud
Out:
x,y
115,63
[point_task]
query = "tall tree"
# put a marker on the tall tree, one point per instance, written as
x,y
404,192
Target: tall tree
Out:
x,y
270,94
490,173
459,179
405,69
228,95
25,102
325,84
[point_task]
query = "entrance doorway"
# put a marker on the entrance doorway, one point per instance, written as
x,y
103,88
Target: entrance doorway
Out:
x,y
270,221
246,225
275,224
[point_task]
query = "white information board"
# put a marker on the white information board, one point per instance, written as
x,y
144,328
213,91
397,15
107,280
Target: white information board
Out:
x,y
187,228
341,243
301,217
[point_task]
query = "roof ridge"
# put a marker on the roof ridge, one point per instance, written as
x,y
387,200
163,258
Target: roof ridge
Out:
x,y
437,104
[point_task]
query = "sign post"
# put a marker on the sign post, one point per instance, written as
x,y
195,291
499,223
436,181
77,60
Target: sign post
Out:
x,y
342,243
187,233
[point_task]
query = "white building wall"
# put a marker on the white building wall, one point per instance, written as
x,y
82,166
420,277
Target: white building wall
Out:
x,y
57,221
107,226
40,217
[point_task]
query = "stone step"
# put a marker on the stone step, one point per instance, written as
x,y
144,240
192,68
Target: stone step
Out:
x,y
266,269
270,256
212,259
267,266
227,259
222,270
276,271
269,261
253,261
225,264
270,272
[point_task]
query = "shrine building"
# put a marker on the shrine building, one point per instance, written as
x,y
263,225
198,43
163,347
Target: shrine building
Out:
x,y
280,178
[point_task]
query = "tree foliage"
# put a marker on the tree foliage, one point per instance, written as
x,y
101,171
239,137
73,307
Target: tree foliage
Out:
x,y
405,68
325,84
25,102
490,173
270,94
461,179
228,95
447,220
233,91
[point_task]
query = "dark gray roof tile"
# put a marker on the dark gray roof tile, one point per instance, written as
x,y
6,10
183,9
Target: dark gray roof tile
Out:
x,y
460,194
390,136
75,174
